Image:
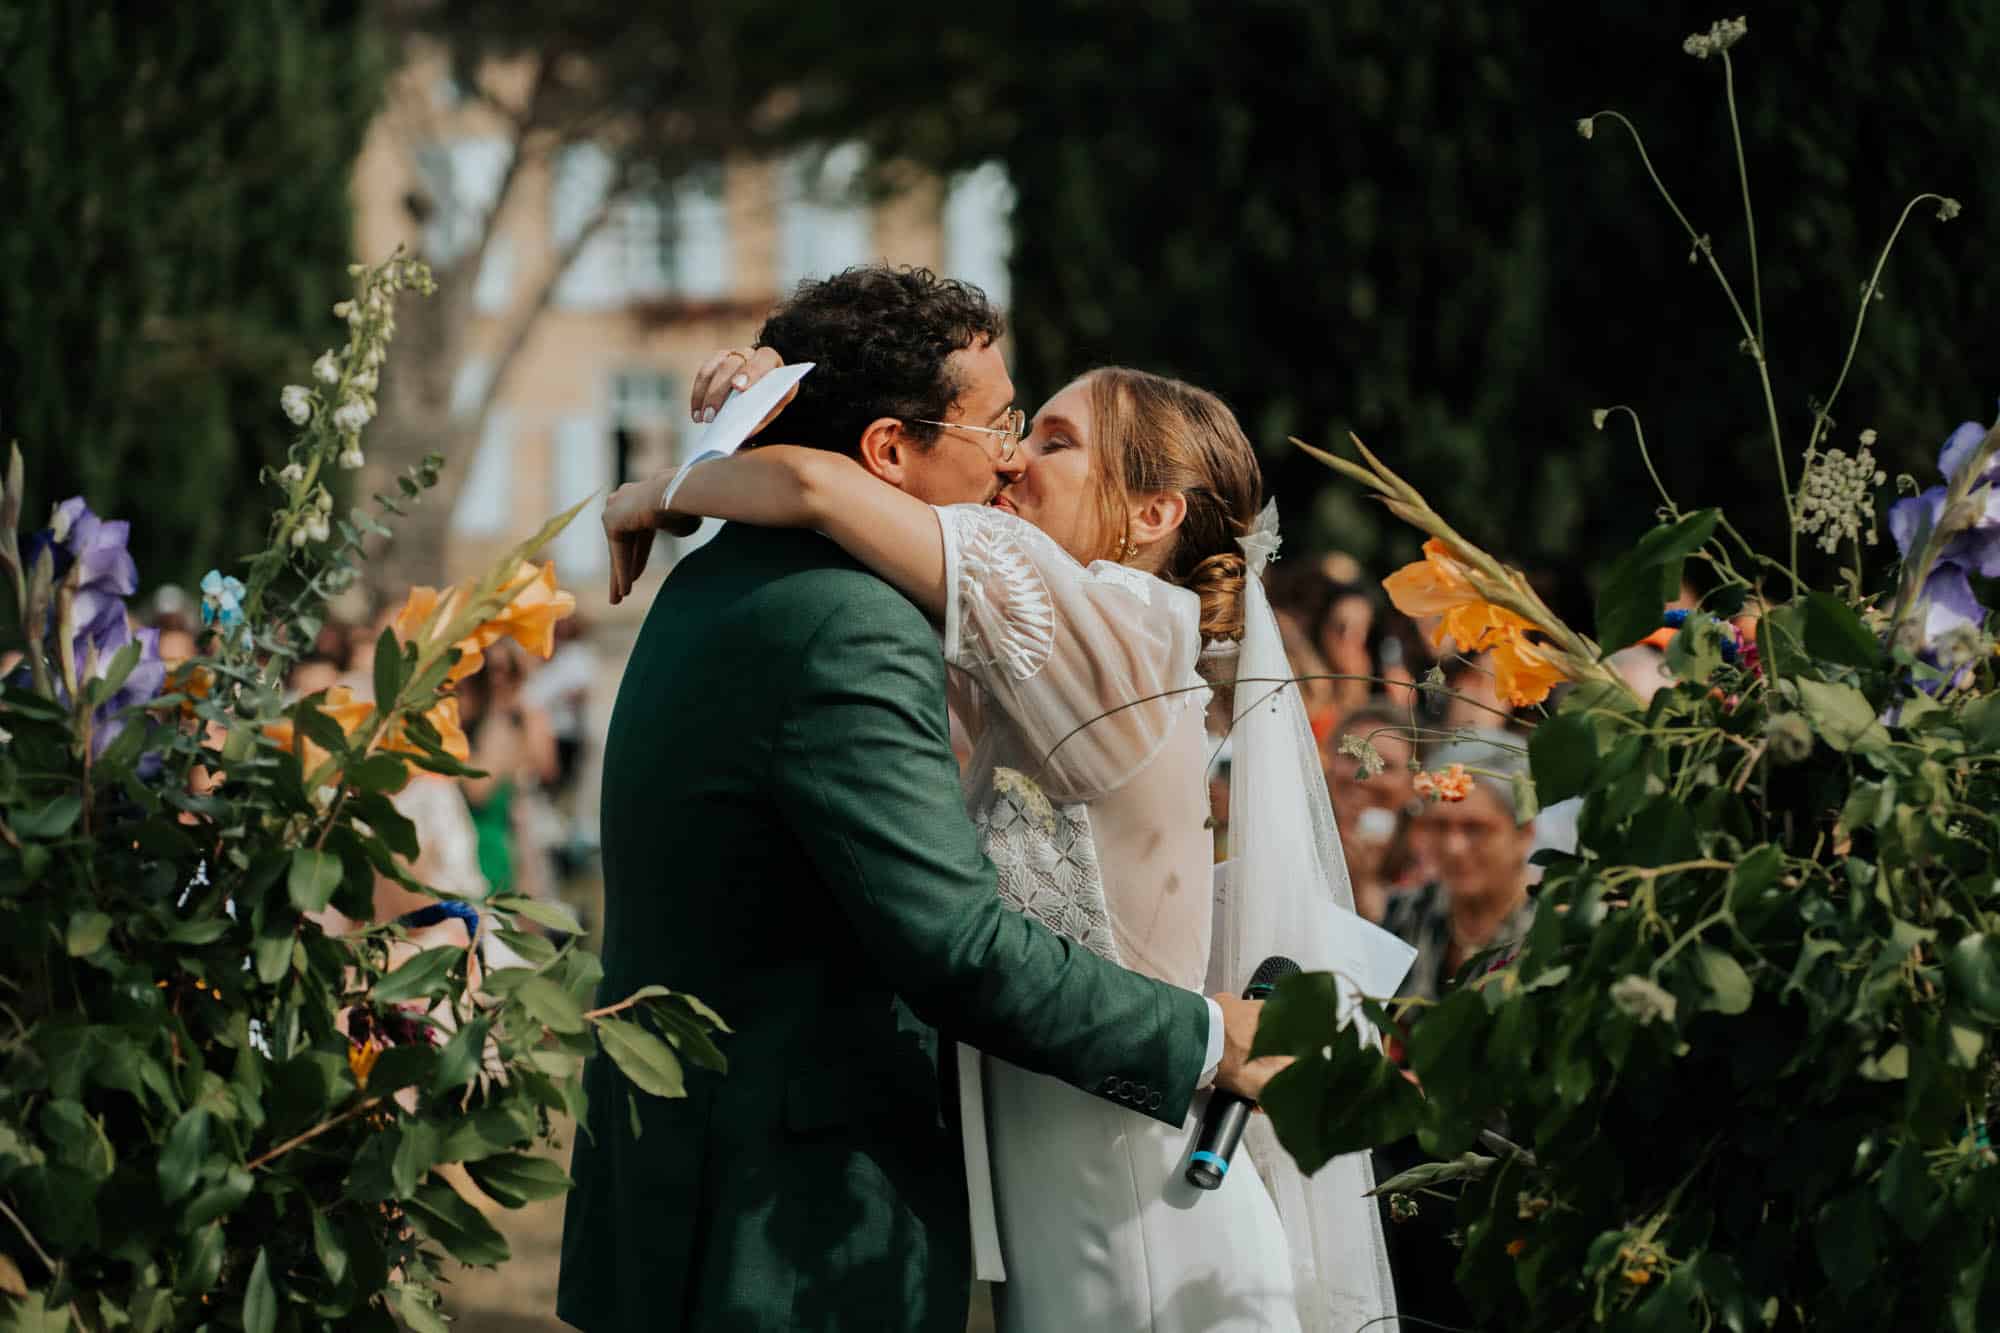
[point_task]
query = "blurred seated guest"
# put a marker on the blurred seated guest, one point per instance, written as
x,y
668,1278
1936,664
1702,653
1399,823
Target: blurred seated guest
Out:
x,y
561,687
1342,636
1479,900
311,674
1644,668
1401,659
1311,671
1371,802
511,743
1473,701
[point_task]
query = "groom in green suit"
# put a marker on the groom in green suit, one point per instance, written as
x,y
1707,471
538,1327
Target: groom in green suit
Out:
x,y
784,836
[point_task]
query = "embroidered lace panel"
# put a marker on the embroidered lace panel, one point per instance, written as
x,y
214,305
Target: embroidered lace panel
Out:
x,y
1048,868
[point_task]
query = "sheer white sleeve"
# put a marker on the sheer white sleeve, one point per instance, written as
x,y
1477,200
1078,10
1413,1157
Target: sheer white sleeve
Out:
x,y
1094,664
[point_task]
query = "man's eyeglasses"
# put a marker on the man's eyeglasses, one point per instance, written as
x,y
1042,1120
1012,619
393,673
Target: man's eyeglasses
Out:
x,y
1010,435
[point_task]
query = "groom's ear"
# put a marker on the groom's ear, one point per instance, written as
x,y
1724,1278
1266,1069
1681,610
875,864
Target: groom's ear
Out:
x,y
885,450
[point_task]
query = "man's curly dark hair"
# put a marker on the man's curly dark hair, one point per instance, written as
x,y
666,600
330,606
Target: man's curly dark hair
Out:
x,y
880,337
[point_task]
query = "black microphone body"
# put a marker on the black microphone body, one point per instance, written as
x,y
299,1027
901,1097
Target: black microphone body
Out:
x,y
1222,1124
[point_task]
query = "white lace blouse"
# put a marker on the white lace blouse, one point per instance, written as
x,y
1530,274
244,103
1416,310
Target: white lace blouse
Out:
x,y
1077,686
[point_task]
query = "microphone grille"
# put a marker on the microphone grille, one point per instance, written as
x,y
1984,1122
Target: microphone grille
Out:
x,y
1274,970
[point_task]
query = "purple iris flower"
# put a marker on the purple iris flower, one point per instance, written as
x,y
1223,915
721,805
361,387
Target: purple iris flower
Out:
x,y
1912,519
1949,604
75,536
144,683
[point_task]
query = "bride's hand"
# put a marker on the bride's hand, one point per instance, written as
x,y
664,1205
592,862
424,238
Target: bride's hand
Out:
x,y
631,516
731,368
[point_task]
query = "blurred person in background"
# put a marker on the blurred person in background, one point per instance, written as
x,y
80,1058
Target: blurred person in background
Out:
x,y
311,674
1342,635
1473,701
1479,900
1373,812
561,687
513,746
1320,693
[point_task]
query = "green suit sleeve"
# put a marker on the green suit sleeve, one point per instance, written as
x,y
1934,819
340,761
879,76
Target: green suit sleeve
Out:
x,y
866,779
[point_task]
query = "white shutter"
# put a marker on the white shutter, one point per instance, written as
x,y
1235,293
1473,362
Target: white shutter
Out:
x,y
486,502
582,175
469,385
701,241
979,230
496,277
463,179
823,226
579,467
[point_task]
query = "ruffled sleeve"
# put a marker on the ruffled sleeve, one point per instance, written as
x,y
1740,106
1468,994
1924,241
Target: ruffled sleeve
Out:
x,y
1091,664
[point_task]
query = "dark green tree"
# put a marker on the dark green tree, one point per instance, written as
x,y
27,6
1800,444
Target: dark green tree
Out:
x,y
1380,217
176,187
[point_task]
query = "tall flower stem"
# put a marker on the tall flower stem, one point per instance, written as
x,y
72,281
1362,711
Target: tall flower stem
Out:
x,y
1743,175
1823,418
1751,334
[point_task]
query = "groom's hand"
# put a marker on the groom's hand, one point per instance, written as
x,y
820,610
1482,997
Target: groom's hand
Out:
x,y
1238,1073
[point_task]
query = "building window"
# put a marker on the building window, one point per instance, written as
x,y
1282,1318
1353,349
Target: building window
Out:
x,y
647,410
580,469
655,242
469,385
486,502
979,230
493,286
462,179
824,223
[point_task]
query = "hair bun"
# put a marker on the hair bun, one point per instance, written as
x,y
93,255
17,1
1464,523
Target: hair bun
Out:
x,y
1218,581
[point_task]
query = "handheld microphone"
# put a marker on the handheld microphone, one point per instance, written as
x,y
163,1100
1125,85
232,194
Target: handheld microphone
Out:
x,y
1222,1124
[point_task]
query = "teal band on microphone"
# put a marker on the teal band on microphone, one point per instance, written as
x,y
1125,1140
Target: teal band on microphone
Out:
x,y
1221,1165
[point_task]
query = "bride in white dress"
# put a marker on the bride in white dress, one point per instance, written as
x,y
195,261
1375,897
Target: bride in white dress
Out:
x,y
1075,611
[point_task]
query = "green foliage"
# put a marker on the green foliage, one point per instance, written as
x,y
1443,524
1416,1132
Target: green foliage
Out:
x,y
219,1108
177,219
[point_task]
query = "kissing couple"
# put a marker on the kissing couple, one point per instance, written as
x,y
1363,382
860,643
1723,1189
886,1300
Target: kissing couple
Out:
x,y
970,1031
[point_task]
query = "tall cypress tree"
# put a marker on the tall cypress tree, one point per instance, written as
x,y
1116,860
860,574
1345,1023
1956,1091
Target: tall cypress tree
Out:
x,y
175,184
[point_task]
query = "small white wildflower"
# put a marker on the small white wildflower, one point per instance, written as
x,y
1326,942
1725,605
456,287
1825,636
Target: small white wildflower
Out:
x,y
1362,750
296,399
319,528
342,309
323,500
291,474
1721,35
353,414
356,270
1599,415
351,459
300,537
1641,1000
326,370
365,380
1587,126
323,797
1948,209
1836,496
1867,439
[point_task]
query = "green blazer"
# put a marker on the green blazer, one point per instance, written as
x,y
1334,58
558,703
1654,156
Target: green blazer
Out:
x,y
784,836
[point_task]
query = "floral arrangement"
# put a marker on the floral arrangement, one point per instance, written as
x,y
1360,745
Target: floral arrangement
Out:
x,y
1741,1072
230,1096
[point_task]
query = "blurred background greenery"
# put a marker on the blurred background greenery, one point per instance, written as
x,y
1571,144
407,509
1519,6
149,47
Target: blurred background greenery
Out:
x,y
1361,215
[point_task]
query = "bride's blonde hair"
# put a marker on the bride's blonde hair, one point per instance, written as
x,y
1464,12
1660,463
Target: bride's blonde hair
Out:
x,y
1156,434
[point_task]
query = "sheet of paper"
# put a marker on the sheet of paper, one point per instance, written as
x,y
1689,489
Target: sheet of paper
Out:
x,y
1367,959
742,412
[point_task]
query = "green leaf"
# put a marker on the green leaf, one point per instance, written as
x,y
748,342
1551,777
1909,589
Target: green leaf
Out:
x,y
438,1213
1844,1234
1340,1096
1972,970
1841,715
1754,873
87,933
1640,583
273,953
328,1246
320,729
182,1154
1695,653
1835,633
201,1261
459,1060
217,1199
420,977
553,915
388,668
1562,754
416,1153
550,1005
313,878
1727,984
514,1179
205,930
487,1131
644,1058
50,821
418,1307
380,772
260,1298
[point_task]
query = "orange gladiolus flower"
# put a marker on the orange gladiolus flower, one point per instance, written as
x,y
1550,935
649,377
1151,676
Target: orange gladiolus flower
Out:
x,y
534,606
1440,587
418,607
361,1058
1524,671
443,717
340,705
1452,784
